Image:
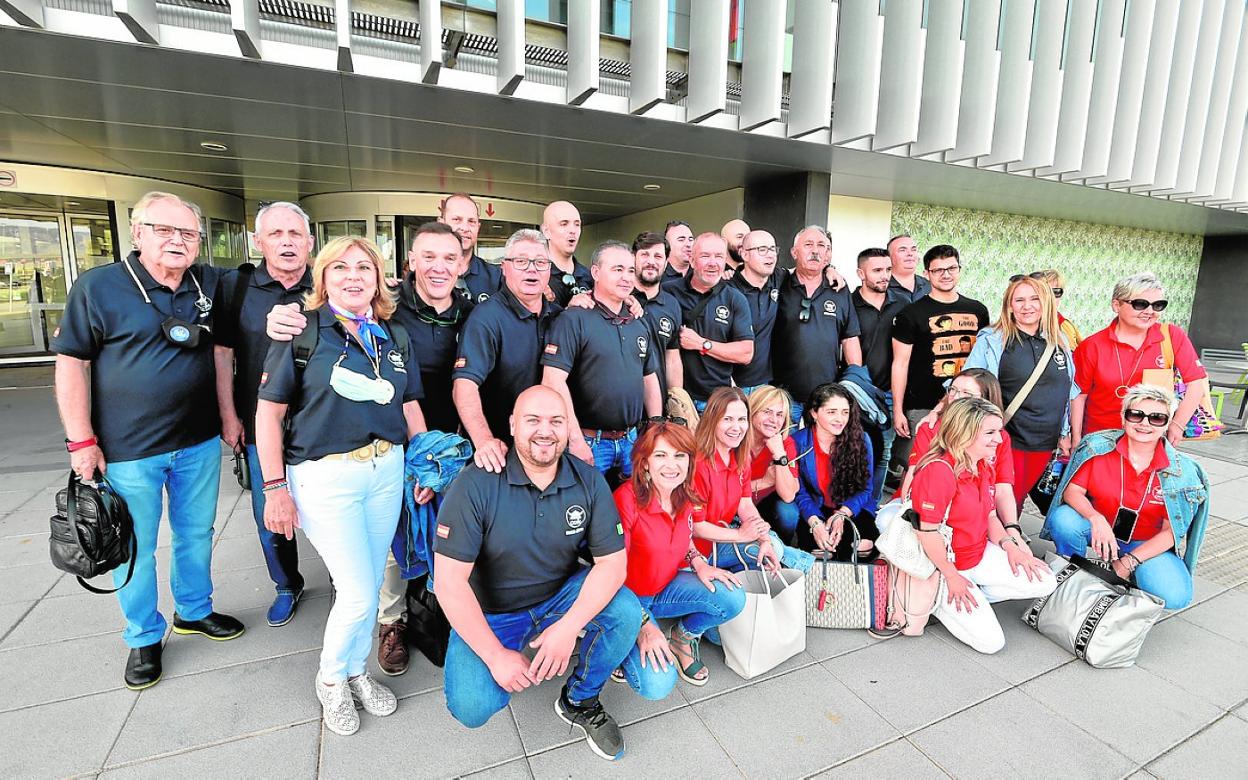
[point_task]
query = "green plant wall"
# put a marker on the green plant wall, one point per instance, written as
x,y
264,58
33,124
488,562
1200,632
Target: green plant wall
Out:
x,y
1092,257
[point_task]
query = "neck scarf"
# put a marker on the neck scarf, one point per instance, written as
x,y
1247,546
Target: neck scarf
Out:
x,y
370,332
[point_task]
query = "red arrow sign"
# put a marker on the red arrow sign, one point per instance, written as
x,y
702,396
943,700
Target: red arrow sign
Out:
x,y
489,209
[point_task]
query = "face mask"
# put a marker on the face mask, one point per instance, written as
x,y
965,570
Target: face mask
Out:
x,y
357,387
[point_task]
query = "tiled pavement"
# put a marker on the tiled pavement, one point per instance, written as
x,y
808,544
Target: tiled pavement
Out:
x,y
848,706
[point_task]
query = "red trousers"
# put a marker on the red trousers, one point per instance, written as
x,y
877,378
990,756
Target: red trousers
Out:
x,y
1028,468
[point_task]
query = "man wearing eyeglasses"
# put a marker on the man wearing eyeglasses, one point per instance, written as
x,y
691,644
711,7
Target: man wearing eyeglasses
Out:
x,y
500,348
932,338
561,224
478,280
759,280
816,325
135,385
905,284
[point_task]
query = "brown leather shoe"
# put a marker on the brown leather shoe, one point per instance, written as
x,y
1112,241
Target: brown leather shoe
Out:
x,y
392,648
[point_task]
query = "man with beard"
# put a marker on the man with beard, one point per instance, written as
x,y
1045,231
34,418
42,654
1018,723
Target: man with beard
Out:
x,y
500,347
478,280
906,284
561,224
662,310
679,238
733,233
510,577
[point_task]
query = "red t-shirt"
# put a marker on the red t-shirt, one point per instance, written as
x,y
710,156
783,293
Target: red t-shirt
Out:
x,y
762,462
656,542
1111,482
1103,364
1002,462
935,488
723,486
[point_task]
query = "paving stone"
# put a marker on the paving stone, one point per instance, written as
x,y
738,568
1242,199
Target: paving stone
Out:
x,y
724,679
670,745
243,551
915,681
27,583
1219,470
1220,751
11,613
1226,615
1148,716
421,675
65,738
192,654
1197,660
1027,652
285,753
1229,500
896,759
420,739
824,643
512,770
24,549
26,521
986,742
67,617
203,709
794,724
68,669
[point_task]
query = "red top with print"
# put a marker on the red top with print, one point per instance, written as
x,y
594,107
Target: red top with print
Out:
x,y
936,489
1111,481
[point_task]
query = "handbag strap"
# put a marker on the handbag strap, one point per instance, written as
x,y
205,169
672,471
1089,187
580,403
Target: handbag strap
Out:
x,y
1026,389
71,514
1167,346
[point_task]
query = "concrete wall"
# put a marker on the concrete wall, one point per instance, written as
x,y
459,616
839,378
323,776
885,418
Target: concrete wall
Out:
x,y
706,213
1221,319
856,224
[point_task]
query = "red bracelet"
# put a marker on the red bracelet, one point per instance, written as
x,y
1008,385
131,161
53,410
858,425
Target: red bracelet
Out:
x,y
74,446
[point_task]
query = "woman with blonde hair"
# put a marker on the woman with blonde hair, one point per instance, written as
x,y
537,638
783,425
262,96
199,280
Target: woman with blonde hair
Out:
x,y
1057,285
773,465
347,402
977,560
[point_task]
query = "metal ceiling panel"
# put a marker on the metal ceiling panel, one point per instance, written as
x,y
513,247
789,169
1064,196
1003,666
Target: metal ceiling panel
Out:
x,y
901,75
762,66
1009,131
25,12
708,60
1046,86
1077,70
1156,92
1106,86
1232,156
860,45
1175,118
977,105
815,36
1131,84
510,37
584,51
945,53
647,55
1202,142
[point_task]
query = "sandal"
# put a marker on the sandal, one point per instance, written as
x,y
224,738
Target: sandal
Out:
x,y
617,675
689,673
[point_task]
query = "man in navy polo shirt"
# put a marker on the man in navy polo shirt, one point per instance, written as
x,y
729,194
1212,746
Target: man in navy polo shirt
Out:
x,y
905,283
561,224
876,307
478,280
759,281
816,325
508,552
284,237
679,238
733,232
135,388
500,347
603,363
662,309
717,332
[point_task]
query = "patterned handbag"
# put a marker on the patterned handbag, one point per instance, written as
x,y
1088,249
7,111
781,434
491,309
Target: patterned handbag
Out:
x,y
1203,424
847,594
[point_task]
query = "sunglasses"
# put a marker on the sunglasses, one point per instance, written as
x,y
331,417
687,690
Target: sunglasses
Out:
x,y
1155,419
1139,304
804,314
1038,276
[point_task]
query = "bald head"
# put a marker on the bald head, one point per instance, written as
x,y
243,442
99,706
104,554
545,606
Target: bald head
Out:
x,y
733,233
539,423
758,252
561,224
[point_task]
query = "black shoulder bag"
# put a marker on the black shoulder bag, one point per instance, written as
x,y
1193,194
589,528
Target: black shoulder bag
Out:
x,y
92,532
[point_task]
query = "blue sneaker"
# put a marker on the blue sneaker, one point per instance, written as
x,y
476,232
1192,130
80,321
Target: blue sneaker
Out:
x,y
283,608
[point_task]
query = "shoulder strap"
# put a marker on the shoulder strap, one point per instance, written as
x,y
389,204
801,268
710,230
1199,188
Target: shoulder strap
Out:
x,y
242,282
402,341
1027,387
1167,346
697,310
304,344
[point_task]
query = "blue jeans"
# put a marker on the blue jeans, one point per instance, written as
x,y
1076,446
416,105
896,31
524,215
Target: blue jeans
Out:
x,y
1164,576
472,695
699,609
191,476
738,556
783,516
613,453
880,472
281,555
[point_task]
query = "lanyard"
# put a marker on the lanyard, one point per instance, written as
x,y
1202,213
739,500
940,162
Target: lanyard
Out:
x,y
203,302
1122,484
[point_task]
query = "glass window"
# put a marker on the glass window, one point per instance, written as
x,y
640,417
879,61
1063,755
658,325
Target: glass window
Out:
x,y
328,231
93,242
394,257
32,273
227,243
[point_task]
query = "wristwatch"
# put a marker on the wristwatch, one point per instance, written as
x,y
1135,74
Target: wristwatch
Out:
x,y
706,346
783,460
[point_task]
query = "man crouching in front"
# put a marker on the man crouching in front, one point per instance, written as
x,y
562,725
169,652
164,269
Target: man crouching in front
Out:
x,y
509,576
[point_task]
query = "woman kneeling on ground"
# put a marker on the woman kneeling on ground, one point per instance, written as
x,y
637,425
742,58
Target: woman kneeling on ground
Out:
x,y
982,563
668,575
1133,498
773,467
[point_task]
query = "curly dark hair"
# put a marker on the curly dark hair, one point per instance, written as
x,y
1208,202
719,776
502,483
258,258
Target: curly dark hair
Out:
x,y
851,472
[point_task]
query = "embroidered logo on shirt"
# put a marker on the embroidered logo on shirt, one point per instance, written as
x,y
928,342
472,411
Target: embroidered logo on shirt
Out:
x,y
619,528
775,294
461,362
264,378
483,297
665,326
927,505
1161,361
641,346
444,531
575,517
396,359
721,314
829,308
552,349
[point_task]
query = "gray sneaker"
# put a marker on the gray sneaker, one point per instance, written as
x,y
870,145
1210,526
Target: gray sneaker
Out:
x,y
600,729
375,698
337,707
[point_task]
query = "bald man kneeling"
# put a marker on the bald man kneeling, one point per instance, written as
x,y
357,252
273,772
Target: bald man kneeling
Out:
x,y
509,577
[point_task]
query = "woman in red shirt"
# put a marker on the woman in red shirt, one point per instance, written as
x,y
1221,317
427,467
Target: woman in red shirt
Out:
x,y
668,575
773,467
978,560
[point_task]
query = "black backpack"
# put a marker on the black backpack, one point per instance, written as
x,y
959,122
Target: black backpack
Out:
x,y
92,532
304,344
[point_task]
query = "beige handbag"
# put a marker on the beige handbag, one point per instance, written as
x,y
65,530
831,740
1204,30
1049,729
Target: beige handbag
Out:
x,y
772,627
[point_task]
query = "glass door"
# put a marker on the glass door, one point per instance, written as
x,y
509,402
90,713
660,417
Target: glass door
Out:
x,y
33,280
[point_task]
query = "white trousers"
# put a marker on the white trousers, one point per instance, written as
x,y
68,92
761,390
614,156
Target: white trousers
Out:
x,y
349,511
992,580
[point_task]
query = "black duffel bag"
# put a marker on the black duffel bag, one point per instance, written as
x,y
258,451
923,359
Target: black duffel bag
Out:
x,y
428,630
92,532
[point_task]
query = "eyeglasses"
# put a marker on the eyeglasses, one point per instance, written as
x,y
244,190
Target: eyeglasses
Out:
x,y
947,271
762,250
955,393
525,263
804,314
1155,419
1139,304
167,231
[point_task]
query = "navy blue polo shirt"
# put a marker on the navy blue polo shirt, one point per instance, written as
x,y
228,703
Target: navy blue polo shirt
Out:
x,y
1037,425
921,287
480,281
725,318
435,343
148,395
524,542
663,314
607,358
876,336
319,421
500,350
247,336
764,303
670,274
808,335
565,285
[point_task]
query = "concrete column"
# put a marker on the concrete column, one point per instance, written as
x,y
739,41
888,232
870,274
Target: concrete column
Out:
x,y
785,204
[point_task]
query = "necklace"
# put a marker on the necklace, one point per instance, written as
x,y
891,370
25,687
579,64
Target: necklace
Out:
x,y
1122,389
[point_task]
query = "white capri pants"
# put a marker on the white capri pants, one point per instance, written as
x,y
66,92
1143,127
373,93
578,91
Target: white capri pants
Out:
x,y
992,580
349,511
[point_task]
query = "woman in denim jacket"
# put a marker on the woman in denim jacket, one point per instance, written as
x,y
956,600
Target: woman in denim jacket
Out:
x,y
1135,499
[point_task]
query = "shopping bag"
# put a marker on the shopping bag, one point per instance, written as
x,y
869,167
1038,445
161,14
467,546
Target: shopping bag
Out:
x,y
771,628
847,594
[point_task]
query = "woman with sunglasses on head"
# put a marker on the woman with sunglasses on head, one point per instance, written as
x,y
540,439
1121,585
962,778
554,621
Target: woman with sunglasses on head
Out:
x,y
666,572
1057,285
1112,360
1133,498
330,430
1013,349
773,466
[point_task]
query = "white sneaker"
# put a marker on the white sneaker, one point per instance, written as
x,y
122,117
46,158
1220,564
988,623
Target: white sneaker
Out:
x,y
375,698
337,707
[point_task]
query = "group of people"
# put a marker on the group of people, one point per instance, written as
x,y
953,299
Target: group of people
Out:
x,y
348,394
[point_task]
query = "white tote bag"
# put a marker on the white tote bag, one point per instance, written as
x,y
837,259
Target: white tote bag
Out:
x,y
772,627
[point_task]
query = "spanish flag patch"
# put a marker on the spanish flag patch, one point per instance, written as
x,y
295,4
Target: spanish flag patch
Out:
x,y
461,362
444,531
552,349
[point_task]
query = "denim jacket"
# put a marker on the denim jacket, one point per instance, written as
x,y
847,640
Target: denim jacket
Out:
x,y
1184,488
433,460
809,493
989,346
